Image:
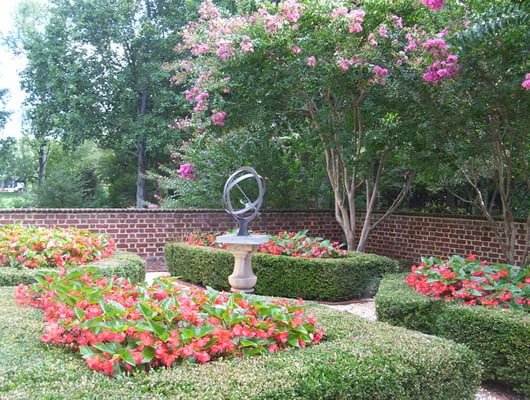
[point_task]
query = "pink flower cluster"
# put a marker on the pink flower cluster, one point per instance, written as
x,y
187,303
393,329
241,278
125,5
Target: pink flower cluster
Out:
x,y
526,82
380,74
445,64
185,171
291,10
434,5
218,117
355,18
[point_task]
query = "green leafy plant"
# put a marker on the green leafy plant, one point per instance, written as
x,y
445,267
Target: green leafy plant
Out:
x,y
28,246
121,327
294,244
473,282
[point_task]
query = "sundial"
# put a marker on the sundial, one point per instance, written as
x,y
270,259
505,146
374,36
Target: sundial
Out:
x,y
243,197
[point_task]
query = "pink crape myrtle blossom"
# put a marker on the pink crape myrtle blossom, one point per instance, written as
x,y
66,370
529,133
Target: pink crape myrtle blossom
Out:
x,y
246,44
380,74
218,117
371,39
357,18
526,82
225,49
311,61
382,31
292,10
338,12
296,49
445,64
208,10
344,64
185,171
442,69
434,5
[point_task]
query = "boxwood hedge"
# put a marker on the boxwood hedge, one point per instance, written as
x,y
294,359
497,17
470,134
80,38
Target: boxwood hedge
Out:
x,y
121,263
499,337
354,276
358,359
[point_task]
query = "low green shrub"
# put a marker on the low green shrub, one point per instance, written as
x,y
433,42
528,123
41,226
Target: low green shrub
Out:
x,y
120,263
358,359
498,336
331,279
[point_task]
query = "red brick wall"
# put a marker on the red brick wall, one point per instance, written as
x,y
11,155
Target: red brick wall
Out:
x,y
403,237
409,237
145,232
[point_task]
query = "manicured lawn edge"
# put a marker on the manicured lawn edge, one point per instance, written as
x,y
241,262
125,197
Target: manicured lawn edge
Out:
x,y
123,264
358,359
499,337
336,279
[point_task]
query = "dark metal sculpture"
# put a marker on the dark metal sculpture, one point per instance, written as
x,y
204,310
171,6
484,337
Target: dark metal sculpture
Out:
x,y
250,208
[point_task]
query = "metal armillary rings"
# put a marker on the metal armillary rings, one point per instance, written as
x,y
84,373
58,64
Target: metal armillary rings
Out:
x,y
250,208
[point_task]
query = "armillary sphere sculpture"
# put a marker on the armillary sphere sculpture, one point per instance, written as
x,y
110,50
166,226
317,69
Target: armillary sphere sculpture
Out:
x,y
250,208
243,245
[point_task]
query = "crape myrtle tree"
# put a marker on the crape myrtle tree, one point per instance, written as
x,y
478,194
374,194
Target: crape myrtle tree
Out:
x,y
349,77
484,113
94,72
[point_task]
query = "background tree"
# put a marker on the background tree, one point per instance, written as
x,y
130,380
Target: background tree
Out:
x,y
4,114
94,71
484,114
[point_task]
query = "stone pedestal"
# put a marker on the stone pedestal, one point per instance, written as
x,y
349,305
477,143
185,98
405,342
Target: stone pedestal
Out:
x,y
242,247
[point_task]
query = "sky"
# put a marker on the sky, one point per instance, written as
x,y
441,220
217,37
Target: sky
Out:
x,y
9,69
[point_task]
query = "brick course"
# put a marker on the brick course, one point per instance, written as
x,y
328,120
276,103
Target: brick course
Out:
x,y
402,237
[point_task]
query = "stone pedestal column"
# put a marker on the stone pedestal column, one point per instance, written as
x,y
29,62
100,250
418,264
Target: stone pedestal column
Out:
x,y
242,247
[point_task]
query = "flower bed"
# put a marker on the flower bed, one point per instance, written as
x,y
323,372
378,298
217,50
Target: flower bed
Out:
x,y
27,246
499,336
119,327
473,282
294,244
357,359
26,250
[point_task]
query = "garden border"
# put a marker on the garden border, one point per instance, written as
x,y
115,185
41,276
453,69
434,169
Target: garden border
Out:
x,y
498,336
402,236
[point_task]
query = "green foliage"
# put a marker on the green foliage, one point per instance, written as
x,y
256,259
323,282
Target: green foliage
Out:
x,y
73,178
15,200
292,169
122,264
346,278
398,305
359,360
94,72
499,337
4,114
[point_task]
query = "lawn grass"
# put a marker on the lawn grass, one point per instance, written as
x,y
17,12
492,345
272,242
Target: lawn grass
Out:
x,y
358,359
14,200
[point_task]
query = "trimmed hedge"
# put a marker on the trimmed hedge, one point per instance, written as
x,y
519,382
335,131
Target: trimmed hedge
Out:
x,y
121,263
500,337
358,359
337,279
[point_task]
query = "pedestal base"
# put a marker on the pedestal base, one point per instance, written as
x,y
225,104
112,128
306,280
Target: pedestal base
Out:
x,y
242,247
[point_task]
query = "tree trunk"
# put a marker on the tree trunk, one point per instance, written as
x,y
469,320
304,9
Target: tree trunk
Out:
x,y
141,148
43,158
